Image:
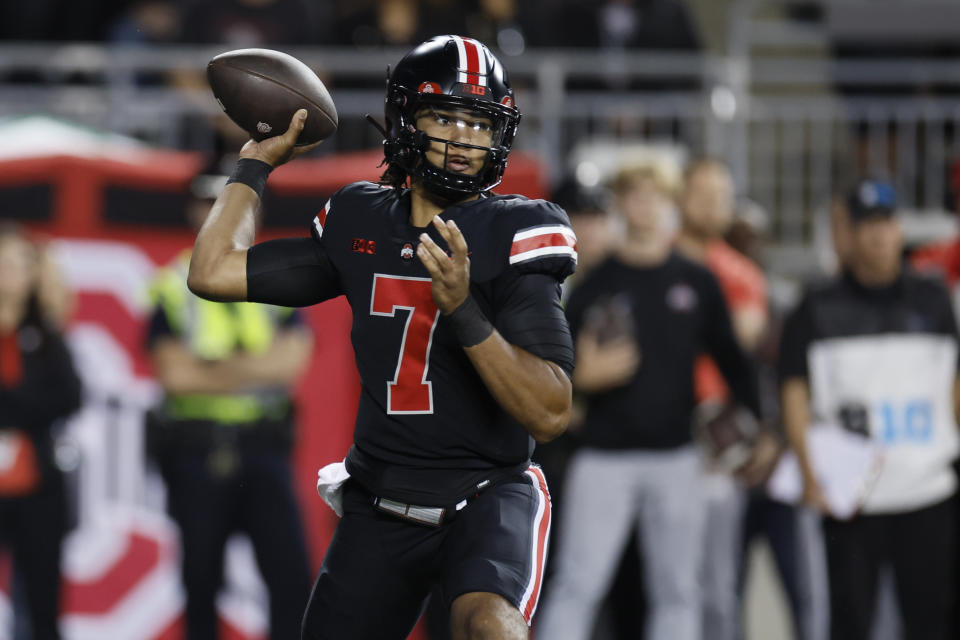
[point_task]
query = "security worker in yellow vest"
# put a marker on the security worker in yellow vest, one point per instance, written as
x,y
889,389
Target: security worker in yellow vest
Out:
x,y
222,439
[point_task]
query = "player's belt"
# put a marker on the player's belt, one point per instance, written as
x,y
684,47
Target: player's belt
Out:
x,y
435,516
424,515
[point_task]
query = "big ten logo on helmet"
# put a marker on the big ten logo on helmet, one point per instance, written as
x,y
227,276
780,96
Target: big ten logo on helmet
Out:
x,y
359,245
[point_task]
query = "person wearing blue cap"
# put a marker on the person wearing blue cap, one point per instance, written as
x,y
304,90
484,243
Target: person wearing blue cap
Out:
x,y
874,351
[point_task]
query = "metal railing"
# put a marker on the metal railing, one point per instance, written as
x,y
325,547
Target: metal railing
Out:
x,y
780,123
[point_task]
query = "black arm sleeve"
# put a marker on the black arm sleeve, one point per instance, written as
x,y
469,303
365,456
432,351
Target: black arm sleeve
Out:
x,y
292,272
722,344
529,315
794,343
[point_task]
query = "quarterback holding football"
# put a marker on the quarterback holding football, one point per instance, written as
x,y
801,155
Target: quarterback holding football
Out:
x,y
463,350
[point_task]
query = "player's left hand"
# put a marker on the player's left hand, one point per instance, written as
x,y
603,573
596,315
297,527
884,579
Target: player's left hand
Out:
x,y
451,274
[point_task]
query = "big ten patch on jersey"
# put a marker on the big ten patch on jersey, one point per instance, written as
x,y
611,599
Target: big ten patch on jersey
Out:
x,y
896,389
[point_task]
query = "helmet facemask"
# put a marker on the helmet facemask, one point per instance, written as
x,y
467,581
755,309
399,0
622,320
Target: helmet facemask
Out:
x,y
458,133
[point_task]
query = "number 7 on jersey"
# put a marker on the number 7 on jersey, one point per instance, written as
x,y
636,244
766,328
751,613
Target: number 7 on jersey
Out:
x,y
409,391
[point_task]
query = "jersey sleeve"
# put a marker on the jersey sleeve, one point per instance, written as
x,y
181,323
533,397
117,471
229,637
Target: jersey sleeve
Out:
x,y
320,220
528,314
541,240
291,272
297,272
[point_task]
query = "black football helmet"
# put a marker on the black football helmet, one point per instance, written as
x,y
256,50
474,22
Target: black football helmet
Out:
x,y
452,72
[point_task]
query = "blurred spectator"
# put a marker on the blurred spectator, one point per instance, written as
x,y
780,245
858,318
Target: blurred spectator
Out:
x,y
442,16
249,23
749,231
148,22
874,351
513,26
778,522
588,210
943,259
639,321
223,436
627,24
707,209
38,388
645,24
376,23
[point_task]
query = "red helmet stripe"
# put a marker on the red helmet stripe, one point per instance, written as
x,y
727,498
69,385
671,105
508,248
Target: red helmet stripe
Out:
x,y
473,64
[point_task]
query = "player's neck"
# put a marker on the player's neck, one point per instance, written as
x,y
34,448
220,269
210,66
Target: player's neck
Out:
x,y
424,205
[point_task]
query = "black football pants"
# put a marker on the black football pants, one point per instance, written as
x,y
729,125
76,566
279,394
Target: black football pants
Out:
x,y
33,527
919,546
258,500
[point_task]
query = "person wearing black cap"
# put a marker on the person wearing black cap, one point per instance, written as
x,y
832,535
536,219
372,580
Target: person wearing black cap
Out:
x,y
874,351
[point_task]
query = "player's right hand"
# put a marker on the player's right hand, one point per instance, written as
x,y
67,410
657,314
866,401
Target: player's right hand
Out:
x,y
280,149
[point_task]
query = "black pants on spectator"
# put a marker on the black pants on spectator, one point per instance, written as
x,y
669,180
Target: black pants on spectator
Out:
x,y
778,523
33,527
918,545
257,499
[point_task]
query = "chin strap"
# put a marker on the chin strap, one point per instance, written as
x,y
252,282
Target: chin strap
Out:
x,y
376,125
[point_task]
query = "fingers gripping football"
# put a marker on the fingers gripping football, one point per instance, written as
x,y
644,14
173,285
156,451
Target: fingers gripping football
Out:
x,y
451,274
279,149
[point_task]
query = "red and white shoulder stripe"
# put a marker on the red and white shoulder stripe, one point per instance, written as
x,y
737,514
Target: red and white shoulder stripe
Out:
x,y
545,241
473,63
321,219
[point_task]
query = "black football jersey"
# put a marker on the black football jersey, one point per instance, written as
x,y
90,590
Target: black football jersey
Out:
x,y
428,431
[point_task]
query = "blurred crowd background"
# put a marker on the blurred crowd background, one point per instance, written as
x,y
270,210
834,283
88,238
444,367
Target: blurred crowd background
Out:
x,y
109,137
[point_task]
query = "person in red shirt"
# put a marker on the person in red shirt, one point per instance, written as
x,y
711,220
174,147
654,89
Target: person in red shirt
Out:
x,y
706,205
943,257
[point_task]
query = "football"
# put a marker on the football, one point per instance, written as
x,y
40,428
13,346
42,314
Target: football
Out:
x,y
261,89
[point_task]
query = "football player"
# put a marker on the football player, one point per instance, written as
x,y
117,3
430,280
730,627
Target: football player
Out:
x,y
463,351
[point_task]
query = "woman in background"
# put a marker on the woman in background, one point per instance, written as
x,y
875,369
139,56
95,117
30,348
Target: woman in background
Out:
x,y
38,388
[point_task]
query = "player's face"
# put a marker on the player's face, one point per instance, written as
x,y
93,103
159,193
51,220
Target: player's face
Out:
x,y
460,127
